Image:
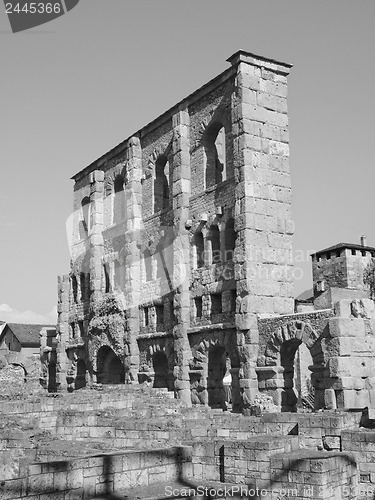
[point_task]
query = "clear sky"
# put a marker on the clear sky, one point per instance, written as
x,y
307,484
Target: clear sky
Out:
x,y
75,87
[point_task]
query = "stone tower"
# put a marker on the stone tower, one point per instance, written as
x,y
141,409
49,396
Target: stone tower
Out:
x,y
338,272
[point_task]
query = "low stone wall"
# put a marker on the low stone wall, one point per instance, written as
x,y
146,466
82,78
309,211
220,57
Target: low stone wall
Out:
x,y
83,478
361,442
225,447
315,474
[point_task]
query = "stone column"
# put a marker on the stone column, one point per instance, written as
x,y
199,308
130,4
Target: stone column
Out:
x,y
181,254
263,223
96,236
133,196
62,331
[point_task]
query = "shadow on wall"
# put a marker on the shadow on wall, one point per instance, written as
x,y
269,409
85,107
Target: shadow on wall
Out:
x,y
112,475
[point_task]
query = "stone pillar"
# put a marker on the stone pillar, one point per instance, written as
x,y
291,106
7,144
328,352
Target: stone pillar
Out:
x,y
133,196
349,355
62,331
263,253
181,246
96,236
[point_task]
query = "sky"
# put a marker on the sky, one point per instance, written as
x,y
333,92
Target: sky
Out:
x,y
75,87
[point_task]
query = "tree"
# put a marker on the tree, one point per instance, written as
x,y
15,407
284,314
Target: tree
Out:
x,y
369,277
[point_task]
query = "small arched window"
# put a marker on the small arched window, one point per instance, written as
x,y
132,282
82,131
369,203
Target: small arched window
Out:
x,y
119,200
215,155
84,224
199,248
230,239
214,237
161,184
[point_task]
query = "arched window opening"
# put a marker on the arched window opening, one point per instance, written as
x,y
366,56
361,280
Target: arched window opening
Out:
x,y
215,155
161,184
107,283
199,248
119,200
147,259
220,155
84,223
214,237
75,289
295,359
217,357
110,369
230,240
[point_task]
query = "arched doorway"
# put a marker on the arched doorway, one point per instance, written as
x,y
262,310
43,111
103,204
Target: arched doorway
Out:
x,y
110,369
293,367
160,364
80,380
217,356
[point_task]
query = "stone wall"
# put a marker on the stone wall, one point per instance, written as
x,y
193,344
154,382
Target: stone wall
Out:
x,y
192,446
186,224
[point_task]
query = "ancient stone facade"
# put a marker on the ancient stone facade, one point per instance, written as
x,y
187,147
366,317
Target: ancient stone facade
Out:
x,y
181,274
182,234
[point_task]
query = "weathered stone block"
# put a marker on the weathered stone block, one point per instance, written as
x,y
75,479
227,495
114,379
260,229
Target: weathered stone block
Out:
x,y
346,327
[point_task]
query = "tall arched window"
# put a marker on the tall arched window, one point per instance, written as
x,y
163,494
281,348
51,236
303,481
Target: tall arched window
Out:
x,y
119,200
199,248
230,239
214,237
215,155
161,184
84,224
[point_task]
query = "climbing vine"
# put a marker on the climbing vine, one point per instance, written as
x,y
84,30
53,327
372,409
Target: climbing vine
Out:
x,y
369,277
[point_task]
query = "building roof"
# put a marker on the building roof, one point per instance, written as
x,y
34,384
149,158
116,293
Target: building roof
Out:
x,y
340,246
27,334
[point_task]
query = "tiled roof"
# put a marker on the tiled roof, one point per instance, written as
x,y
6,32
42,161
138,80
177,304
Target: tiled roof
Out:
x,y
27,334
339,246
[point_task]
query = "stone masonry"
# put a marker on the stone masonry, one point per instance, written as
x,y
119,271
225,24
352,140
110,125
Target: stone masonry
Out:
x,y
181,270
182,234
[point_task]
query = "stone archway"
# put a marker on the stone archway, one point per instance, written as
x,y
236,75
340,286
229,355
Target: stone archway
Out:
x,y
212,357
216,371
277,371
110,369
